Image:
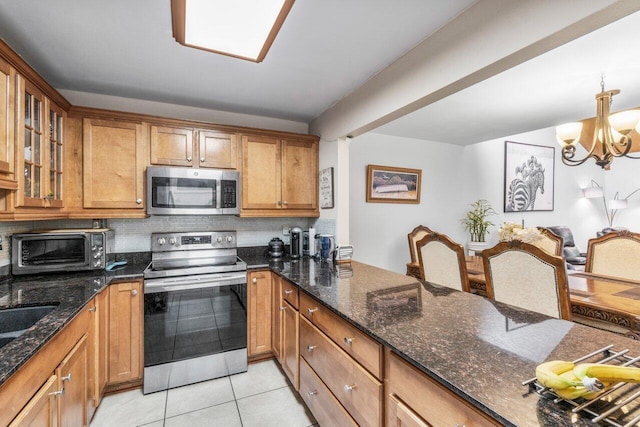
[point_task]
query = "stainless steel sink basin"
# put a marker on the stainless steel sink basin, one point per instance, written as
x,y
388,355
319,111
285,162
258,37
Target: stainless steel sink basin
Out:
x,y
15,321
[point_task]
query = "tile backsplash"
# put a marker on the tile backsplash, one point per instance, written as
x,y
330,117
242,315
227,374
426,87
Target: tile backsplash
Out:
x,y
134,235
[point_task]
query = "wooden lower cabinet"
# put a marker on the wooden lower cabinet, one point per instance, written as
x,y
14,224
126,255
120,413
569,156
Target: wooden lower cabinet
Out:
x,y
98,350
62,400
259,313
356,389
42,409
72,376
290,348
277,309
125,332
364,349
322,404
414,399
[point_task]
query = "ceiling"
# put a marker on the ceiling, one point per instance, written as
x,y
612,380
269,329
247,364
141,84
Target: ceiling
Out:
x,y
325,51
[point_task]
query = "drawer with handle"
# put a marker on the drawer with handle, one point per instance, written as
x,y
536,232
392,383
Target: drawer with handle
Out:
x,y
290,293
358,391
322,404
356,343
413,395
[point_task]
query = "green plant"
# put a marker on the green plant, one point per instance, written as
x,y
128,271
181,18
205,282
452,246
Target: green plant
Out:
x,y
476,222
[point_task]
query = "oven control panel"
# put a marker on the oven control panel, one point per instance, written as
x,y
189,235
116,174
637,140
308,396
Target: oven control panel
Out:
x,y
161,242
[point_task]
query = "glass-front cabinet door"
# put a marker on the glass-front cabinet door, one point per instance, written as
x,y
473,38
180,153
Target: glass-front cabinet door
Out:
x,y
39,142
56,140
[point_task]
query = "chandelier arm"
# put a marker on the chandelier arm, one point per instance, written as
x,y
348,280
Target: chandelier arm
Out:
x,y
625,142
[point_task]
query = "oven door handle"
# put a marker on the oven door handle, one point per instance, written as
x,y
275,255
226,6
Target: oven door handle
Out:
x,y
182,284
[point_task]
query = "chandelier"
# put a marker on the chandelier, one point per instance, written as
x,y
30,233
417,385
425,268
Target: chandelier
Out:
x,y
610,135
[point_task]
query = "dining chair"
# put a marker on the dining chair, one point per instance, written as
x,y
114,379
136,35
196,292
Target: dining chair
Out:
x,y
525,276
549,242
416,234
615,254
442,262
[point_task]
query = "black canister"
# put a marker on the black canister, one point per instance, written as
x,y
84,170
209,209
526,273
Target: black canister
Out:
x,y
276,248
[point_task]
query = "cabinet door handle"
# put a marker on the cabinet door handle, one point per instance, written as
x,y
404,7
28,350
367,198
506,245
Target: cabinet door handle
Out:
x,y
202,159
288,291
139,201
57,393
134,292
283,308
254,280
312,310
310,348
348,341
285,203
67,377
279,203
312,392
189,159
349,388
92,309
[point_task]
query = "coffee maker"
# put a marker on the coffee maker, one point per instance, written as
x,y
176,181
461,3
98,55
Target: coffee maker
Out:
x,y
296,242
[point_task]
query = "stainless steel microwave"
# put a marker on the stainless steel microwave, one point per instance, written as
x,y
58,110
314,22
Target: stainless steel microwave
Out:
x,y
187,191
57,251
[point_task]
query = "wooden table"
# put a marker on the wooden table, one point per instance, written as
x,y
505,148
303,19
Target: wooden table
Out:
x,y
604,302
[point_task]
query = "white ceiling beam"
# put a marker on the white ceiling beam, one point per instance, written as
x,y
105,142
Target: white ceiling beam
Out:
x,y
486,39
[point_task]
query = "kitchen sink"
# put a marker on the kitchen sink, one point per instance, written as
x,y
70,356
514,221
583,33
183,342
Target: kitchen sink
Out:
x,y
15,321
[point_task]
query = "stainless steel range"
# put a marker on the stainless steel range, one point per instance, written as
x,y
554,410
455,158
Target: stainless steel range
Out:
x,y
195,316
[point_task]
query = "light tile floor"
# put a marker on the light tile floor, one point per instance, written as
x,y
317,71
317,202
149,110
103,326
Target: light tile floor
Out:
x,y
261,397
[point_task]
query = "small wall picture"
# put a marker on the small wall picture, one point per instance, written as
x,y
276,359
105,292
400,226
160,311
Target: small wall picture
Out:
x,y
528,177
326,188
386,184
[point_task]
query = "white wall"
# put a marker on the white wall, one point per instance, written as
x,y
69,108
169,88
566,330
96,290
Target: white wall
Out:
x,y
379,230
454,176
570,208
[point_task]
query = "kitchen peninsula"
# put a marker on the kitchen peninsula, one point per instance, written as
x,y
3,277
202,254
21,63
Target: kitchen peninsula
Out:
x,y
477,351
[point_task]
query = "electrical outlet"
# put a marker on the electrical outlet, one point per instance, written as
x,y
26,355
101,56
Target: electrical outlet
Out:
x,y
285,230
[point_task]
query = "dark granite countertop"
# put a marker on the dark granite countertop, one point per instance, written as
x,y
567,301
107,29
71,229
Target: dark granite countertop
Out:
x,y
69,292
479,349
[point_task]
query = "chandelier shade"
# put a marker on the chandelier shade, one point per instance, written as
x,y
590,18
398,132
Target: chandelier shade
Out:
x,y
605,137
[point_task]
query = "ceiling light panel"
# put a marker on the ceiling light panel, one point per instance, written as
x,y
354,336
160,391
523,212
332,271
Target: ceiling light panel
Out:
x,y
240,28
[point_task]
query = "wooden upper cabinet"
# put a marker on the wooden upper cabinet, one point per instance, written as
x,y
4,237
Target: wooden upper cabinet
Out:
x,y
177,146
7,108
171,146
261,173
30,143
114,161
217,149
299,175
279,177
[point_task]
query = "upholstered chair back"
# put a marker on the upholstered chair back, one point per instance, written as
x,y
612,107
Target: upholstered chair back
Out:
x,y
442,262
550,242
416,234
525,276
615,254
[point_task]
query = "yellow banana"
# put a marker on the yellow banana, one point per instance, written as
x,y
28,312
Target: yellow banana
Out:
x,y
607,373
549,374
574,392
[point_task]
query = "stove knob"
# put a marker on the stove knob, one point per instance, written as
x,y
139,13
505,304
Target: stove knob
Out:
x,y
161,240
219,239
172,241
229,239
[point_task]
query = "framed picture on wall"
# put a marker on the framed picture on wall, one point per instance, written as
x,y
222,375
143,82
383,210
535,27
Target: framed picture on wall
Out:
x,y
528,177
386,184
326,188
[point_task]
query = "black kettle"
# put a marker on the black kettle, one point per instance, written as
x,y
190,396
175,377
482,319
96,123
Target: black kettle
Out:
x,y
276,248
